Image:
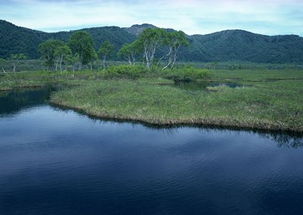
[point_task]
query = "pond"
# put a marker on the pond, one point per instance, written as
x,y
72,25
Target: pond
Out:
x,y
59,162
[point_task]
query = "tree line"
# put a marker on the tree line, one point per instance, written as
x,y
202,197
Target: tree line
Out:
x,y
79,51
15,60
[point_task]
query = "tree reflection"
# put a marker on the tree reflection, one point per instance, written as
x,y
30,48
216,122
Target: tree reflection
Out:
x,y
12,102
286,140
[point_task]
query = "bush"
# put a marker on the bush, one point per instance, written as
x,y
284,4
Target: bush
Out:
x,y
125,71
187,74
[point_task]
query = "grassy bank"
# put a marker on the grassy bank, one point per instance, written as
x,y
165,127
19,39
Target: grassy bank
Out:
x,y
273,104
261,99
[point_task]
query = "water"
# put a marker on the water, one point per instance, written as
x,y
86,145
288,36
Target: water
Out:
x,y
55,162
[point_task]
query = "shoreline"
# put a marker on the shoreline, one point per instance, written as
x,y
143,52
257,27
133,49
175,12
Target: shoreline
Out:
x,y
268,106
21,88
211,123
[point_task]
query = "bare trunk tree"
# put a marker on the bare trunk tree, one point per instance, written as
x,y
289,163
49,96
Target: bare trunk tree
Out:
x,y
104,62
129,60
149,53
133,58
14,67
172,57
169,58
56,65
175,57
60,61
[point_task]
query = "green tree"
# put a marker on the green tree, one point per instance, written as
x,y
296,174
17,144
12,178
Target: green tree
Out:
x,y
81,44
105,51
174,40
48,51
16,59
2,63
151,39
130,51
73,60
62,54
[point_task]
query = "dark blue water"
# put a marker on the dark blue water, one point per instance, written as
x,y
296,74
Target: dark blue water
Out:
x,y
56,162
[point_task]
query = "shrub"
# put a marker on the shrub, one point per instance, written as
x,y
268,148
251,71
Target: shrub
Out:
x,y
125,71
187,74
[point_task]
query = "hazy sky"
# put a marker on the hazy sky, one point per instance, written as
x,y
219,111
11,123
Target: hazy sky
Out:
x,y
192,16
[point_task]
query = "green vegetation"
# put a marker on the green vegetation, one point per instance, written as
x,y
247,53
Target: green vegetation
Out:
x,y
80,50
187,74
158,90
267,105
174,40
260,99
16,58
125,72
105,51
233,45
130,51
22,40
82,45
48,51
2,63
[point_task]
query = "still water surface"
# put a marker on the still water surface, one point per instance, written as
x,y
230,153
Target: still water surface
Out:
x,y
59,162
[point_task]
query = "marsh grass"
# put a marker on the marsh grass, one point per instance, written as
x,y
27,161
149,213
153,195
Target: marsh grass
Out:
x,y
270,99
263,105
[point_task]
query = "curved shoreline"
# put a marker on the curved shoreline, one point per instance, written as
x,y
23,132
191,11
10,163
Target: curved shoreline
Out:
x,y
178,123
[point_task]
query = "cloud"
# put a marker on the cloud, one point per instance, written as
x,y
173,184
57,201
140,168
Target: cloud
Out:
x,y
191,16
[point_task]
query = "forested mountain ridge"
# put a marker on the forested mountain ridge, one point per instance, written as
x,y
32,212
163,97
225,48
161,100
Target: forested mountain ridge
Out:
x,y
138,29
14,39
232,45
229,45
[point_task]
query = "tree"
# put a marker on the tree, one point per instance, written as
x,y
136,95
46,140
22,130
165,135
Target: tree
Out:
x,y
2,61
73,60
129,51
174,40
81,44
16,59
105,51
151,39
62,53
94,58
48,51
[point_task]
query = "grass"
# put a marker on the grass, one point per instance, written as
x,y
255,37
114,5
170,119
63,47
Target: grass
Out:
x,y
269,99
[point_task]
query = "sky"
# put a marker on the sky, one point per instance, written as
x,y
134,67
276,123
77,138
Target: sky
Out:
x,y
271,17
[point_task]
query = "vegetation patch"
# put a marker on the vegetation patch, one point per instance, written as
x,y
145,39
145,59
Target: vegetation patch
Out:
x,y
187,74
125,71
136,93
252,107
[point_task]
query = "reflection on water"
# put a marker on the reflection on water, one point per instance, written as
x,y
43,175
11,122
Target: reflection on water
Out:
x,y
13,101
286,140
55,161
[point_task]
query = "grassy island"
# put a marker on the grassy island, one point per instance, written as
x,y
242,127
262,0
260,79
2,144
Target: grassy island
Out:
x,y
242,98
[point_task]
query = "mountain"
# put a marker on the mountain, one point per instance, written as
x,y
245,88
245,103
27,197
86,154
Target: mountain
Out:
x,y
16,39
229,45
239,45
19,40
138,29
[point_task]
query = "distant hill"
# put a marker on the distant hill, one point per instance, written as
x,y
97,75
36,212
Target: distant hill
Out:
x,y
138,29
239,45
16,39
229,45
